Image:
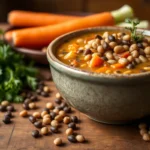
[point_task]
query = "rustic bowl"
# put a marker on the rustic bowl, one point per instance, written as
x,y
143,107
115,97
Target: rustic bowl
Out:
x,y
112,99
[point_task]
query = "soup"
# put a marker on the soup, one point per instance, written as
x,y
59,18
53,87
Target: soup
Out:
x,y
106,52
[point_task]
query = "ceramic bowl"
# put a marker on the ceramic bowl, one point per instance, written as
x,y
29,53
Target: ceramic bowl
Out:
x,y
112,99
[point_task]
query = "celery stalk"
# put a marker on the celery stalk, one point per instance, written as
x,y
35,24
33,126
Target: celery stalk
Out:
x,y
121,14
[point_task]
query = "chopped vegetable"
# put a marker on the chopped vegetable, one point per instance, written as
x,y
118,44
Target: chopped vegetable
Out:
x,y
125,54
96,61
117,66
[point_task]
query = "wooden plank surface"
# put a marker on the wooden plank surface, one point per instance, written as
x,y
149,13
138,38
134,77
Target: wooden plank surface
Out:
x,y
17,135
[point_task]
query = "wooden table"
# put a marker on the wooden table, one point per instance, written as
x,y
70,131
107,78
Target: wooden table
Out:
x,y
17,135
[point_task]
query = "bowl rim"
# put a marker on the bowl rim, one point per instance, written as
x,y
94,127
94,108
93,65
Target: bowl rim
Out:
x,y
77,72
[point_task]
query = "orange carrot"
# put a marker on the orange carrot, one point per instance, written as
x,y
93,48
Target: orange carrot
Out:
x,y
102,69
42,36
117,66
30,19
8,36
96,61
125,54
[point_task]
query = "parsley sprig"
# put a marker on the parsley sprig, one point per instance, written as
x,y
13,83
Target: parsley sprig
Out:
x,y
15,74
135,36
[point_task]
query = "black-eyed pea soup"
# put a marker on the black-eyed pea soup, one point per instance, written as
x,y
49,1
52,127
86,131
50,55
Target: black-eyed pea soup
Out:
x,y
107,52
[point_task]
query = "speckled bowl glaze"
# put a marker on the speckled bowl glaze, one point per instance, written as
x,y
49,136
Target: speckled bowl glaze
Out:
x,y
112,99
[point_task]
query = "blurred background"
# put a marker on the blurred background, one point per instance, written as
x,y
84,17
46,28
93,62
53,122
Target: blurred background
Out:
x,y
141,7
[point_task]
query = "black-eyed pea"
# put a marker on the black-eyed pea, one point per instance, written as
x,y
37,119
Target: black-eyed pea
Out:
x,y
62,113
105,35
105,46
58,96
137,60
142,126
23,113
126,37
147,50
141,51
5,103
46,121
142,58
59,118
56,110
90,42
43,113
107,40
47,116
97,41
80,49
123,61
44,131
69,131
87,57
102,42
119,35
80,138
130,58
111,38
112,44
118,49
109,55
54,123
66,120
133,47
126,47
58,141
36,115
111,61
143,131
115,35
49,105
94,45
145,44
32,105
135,53
146,137
100,49
46,89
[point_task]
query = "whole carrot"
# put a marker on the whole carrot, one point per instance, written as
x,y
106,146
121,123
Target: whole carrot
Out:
x,y
31,19
42,36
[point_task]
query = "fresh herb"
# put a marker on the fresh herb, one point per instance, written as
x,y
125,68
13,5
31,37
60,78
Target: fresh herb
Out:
x,y
137,37
15,74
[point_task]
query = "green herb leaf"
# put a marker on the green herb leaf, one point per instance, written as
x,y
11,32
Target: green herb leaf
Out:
x,y
15,74
137,37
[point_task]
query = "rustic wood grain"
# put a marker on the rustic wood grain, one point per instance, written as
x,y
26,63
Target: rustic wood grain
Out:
x,y
17,135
